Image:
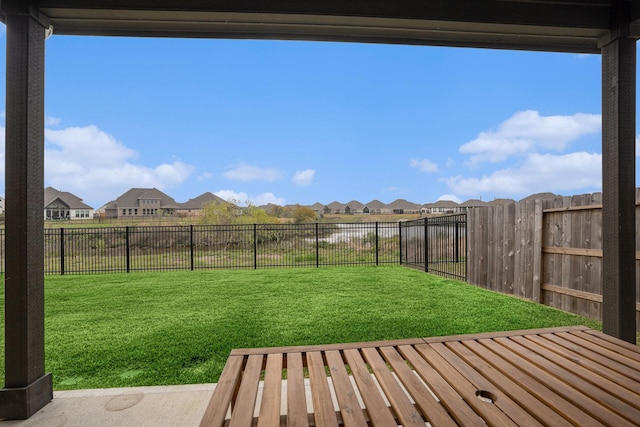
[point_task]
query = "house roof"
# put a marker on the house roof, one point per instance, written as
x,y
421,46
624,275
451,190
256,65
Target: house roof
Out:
x,y
71,200
131,197
374,204
443,204
473,202
402,204
354,204
202,200
551,25
336,205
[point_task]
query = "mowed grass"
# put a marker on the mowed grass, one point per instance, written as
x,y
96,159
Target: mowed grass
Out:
x,y
138,329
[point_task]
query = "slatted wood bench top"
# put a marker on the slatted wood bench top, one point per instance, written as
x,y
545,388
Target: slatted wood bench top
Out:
x,y
554,377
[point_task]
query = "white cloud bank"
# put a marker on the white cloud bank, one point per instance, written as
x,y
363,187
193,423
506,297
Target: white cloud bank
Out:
x,y
95,166
243,199
527,131
539,173
535,147
87,161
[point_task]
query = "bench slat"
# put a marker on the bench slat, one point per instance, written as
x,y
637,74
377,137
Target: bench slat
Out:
x,y
270,405
456,406
220,401
469,365
539,383
566,383
462,385
347,398
433,410
242,414
296,395
376,407
404,409
497,370
323,410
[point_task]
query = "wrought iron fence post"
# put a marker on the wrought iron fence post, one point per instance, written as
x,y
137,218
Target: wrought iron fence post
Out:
x,y
426,244
61,250
255,246
377,247
317,248
400,241
191,244
127,253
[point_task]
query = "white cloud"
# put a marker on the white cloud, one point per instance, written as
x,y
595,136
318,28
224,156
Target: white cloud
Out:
x,y
253,173
243,199
96,167
540,172
424,165
527,131
304,178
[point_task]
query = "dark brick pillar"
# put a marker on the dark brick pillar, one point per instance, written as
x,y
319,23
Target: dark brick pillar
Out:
x,y
27,387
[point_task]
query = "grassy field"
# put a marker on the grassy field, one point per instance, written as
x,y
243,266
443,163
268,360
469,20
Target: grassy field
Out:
x,y
178,328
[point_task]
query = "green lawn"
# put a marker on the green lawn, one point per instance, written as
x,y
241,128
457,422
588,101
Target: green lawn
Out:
x,y
178,328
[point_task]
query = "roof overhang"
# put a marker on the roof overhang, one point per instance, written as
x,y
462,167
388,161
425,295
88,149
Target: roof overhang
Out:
x,y
550,25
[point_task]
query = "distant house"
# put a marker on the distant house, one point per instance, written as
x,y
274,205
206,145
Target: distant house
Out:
x,y
441,207
140,202
1,205
374,207
318,208
401,206
195,206
64,205
470,204
335,208
354,207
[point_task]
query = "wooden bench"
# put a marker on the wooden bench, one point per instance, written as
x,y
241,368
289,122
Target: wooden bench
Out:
x,y
559,376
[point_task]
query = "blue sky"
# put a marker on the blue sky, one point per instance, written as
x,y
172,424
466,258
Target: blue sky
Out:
x,y
306,122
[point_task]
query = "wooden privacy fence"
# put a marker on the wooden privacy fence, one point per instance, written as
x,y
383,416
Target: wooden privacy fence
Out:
x,y
544,249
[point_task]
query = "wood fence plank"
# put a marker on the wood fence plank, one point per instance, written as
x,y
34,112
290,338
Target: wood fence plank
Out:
x,y
538,273
297,414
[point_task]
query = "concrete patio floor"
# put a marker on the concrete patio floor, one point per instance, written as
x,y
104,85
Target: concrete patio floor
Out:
x,y
179,405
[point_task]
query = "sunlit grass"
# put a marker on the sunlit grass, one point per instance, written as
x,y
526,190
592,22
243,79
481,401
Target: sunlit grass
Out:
x,y
178,327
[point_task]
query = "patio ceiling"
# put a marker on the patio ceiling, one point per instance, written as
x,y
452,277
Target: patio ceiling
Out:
x,y
550,25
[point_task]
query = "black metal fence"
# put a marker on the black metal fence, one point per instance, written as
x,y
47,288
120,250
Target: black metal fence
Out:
x,y
251,246
438,245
